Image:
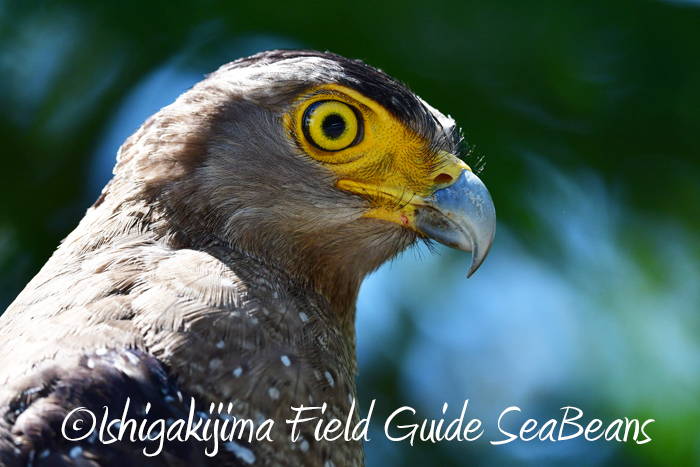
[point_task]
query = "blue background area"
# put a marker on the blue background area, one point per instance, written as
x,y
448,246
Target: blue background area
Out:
x,y
587,116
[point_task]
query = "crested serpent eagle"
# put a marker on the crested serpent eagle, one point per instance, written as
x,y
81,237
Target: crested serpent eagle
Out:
x,y
220,268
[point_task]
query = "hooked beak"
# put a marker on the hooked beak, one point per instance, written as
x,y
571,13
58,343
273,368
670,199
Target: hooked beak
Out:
x,y
461,216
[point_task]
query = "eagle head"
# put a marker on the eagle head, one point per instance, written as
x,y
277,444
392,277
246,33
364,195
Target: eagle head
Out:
x,y
317,165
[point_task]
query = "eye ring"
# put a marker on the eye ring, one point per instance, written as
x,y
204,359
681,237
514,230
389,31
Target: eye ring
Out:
x,y
332,125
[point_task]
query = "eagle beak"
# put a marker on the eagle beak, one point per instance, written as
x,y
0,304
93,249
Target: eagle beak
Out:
x,y
461,216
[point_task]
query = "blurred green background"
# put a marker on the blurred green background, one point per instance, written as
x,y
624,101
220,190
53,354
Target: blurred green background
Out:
x,y
587,116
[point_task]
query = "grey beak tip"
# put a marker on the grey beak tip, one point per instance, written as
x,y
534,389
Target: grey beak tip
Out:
x,y
463,217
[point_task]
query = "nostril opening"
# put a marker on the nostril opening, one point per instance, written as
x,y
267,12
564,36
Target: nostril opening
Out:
x,y
443,178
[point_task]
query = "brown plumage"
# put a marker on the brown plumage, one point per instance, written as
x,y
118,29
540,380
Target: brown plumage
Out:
x,y
223,263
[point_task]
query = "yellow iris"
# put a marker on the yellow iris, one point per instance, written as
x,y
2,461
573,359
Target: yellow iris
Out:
x,y
331,125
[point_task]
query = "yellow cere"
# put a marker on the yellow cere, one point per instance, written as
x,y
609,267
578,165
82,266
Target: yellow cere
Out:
x,y
390,165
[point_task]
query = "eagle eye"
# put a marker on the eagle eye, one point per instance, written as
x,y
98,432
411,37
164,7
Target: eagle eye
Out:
x,y
332,125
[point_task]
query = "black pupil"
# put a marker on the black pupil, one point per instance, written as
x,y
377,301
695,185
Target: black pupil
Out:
x,y
333,126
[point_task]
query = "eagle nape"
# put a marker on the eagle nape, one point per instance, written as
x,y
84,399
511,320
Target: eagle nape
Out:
x,y
221,266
